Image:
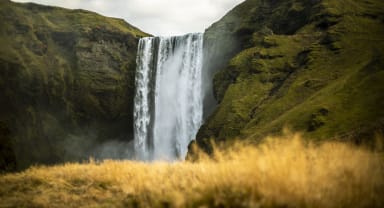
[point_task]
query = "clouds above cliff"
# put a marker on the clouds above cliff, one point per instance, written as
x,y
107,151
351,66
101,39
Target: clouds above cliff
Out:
x,y
158,17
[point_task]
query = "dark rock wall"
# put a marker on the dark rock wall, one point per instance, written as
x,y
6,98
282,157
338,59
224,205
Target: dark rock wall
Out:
x,y
66,83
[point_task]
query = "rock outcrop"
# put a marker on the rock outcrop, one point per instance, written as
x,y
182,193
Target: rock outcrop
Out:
x,y
314,66
67,76
66,83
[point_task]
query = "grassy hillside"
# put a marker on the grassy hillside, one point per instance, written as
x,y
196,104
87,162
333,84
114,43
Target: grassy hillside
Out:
x,y
66,83
281,172
312,66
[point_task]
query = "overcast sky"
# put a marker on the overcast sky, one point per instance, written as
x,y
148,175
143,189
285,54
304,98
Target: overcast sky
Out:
x,y
158,17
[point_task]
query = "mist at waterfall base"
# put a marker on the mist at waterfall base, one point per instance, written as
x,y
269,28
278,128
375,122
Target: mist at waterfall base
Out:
x,y
168,102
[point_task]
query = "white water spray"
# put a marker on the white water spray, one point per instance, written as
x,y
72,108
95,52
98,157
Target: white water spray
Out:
x,y
168,102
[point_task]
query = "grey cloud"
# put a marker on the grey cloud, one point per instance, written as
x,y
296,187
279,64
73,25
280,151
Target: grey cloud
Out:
x,y
158,17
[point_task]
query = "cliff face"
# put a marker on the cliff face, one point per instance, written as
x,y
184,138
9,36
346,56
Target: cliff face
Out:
x,y
66,83
315,66
67,76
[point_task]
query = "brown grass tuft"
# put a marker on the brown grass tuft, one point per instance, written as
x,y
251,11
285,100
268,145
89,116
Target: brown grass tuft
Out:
x,y
280,172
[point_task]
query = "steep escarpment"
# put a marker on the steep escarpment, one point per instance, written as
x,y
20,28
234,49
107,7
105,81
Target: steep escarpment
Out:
x,y
315,66
66,83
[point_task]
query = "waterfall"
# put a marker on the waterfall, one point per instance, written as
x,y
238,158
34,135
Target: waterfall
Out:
x,y
168,104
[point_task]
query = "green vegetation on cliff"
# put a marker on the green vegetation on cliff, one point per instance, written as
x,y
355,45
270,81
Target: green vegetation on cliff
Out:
x,y
313,66
66,82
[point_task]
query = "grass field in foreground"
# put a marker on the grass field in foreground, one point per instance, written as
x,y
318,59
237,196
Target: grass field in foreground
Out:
x,y
280,172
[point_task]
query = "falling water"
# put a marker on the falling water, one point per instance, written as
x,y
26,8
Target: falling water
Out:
x,y
168,101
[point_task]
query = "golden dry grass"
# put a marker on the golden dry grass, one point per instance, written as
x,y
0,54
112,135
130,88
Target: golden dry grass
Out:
x,y
280,172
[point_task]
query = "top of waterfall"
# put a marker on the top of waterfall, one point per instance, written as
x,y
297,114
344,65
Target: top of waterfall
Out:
x,y
170,36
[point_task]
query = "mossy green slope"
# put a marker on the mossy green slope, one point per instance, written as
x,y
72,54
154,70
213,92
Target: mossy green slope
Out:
x,y
66,82
313,66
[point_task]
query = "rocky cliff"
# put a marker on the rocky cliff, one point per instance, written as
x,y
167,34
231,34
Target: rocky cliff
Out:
x,y
66,83
315,66
67,76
